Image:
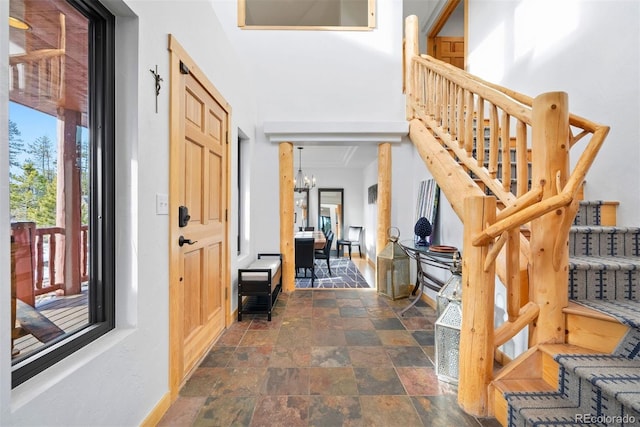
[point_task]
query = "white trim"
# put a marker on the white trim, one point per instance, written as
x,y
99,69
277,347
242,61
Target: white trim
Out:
x,y
347,132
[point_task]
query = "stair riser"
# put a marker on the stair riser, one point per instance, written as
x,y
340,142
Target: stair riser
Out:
x,y
597,213
604,284
598,335
609,242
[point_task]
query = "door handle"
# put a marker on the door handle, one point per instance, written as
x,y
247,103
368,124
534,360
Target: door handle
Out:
x,y
182,241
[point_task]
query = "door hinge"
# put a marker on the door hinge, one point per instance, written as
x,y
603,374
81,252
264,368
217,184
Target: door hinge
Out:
x,y
226,215
226,136
183,68
226,293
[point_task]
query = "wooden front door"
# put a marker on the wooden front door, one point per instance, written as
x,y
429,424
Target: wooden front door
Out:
x,y
198,210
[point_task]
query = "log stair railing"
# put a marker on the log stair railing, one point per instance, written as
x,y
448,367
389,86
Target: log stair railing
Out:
x,y
450,111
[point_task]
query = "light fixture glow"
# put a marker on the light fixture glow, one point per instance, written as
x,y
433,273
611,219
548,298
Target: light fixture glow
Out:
x,y
302,182
18,24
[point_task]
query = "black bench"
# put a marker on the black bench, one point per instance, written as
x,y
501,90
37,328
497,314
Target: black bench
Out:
x,y
261,281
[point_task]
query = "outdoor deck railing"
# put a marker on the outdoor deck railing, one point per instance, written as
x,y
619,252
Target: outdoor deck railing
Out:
x,y
41,254
45,256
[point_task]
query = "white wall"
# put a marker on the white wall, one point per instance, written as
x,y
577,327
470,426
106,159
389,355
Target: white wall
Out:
x,y
589,49
118,379
323,76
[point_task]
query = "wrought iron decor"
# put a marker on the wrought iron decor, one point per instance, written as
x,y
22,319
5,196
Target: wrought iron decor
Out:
x,y
157,79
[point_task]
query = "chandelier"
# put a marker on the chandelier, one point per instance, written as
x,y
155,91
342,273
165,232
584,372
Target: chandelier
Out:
x,y
302,182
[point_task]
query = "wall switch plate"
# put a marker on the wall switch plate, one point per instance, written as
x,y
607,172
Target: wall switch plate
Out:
x,y
162,204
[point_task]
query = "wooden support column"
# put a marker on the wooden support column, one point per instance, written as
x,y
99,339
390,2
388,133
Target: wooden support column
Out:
x,y
384,195
69,195
550,155
286,217
476,334
411,49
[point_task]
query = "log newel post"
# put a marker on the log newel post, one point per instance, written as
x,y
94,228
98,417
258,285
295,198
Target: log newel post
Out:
x,y
411,49
476,334
550,166
384,195
286,216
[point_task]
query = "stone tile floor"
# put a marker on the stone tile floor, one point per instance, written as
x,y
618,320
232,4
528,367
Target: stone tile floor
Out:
x,y
327,358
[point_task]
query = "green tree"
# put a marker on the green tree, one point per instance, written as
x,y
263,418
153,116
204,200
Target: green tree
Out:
x,y
26,192
45,213
43,154
15,144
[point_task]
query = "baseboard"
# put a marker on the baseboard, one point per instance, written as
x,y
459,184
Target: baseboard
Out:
x,y
432,303
156,414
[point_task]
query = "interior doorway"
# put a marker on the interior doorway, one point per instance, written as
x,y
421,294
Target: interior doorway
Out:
x,y
447,37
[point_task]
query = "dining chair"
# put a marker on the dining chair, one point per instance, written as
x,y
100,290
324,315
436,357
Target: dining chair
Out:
x,y
353,239
325,253
305,256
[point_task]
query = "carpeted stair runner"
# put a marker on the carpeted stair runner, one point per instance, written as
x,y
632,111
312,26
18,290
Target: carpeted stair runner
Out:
x,y
595,390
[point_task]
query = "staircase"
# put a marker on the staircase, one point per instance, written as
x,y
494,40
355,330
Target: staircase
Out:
x,y
517,196
593,379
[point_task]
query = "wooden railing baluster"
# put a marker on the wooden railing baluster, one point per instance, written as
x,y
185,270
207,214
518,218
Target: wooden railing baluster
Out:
x,y
480,132
494,126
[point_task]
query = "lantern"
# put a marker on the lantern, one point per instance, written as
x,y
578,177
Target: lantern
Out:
x,y
448,326
392,265
452,289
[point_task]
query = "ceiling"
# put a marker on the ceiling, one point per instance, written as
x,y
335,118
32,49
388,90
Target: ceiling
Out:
x,y
49,60
336,156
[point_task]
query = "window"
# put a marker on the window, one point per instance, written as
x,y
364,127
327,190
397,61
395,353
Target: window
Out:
x,y
307,14
61,153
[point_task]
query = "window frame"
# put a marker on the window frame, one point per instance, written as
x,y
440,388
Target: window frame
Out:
x,y
101,118
371,21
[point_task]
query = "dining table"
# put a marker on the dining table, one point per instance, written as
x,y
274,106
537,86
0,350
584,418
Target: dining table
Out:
x,y
318,237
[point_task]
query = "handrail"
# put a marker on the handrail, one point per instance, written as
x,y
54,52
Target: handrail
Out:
x,y
492,93
574,120
516,148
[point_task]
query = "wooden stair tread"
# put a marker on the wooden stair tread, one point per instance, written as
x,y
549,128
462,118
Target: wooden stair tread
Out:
x,y
554,349
523,384
581,310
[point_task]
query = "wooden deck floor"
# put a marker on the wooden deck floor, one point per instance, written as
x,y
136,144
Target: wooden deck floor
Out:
x,y
69,313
